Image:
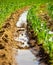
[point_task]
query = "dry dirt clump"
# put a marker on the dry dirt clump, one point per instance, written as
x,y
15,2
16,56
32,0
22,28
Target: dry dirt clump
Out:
x,y
7,42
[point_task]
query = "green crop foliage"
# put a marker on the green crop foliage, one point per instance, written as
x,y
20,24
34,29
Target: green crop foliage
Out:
x,y
40,28
7,7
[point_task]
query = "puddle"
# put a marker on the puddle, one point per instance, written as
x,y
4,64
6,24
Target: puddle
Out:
x,y
22,24
22,19
25,57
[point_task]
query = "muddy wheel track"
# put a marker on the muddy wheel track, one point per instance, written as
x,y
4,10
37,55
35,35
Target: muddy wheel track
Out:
x,y
7,42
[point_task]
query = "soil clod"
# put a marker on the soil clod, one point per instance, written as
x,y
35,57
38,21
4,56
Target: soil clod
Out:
x,y
1,46
7,25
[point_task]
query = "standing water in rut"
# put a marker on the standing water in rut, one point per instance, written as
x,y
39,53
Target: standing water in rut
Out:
x,y
24,56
